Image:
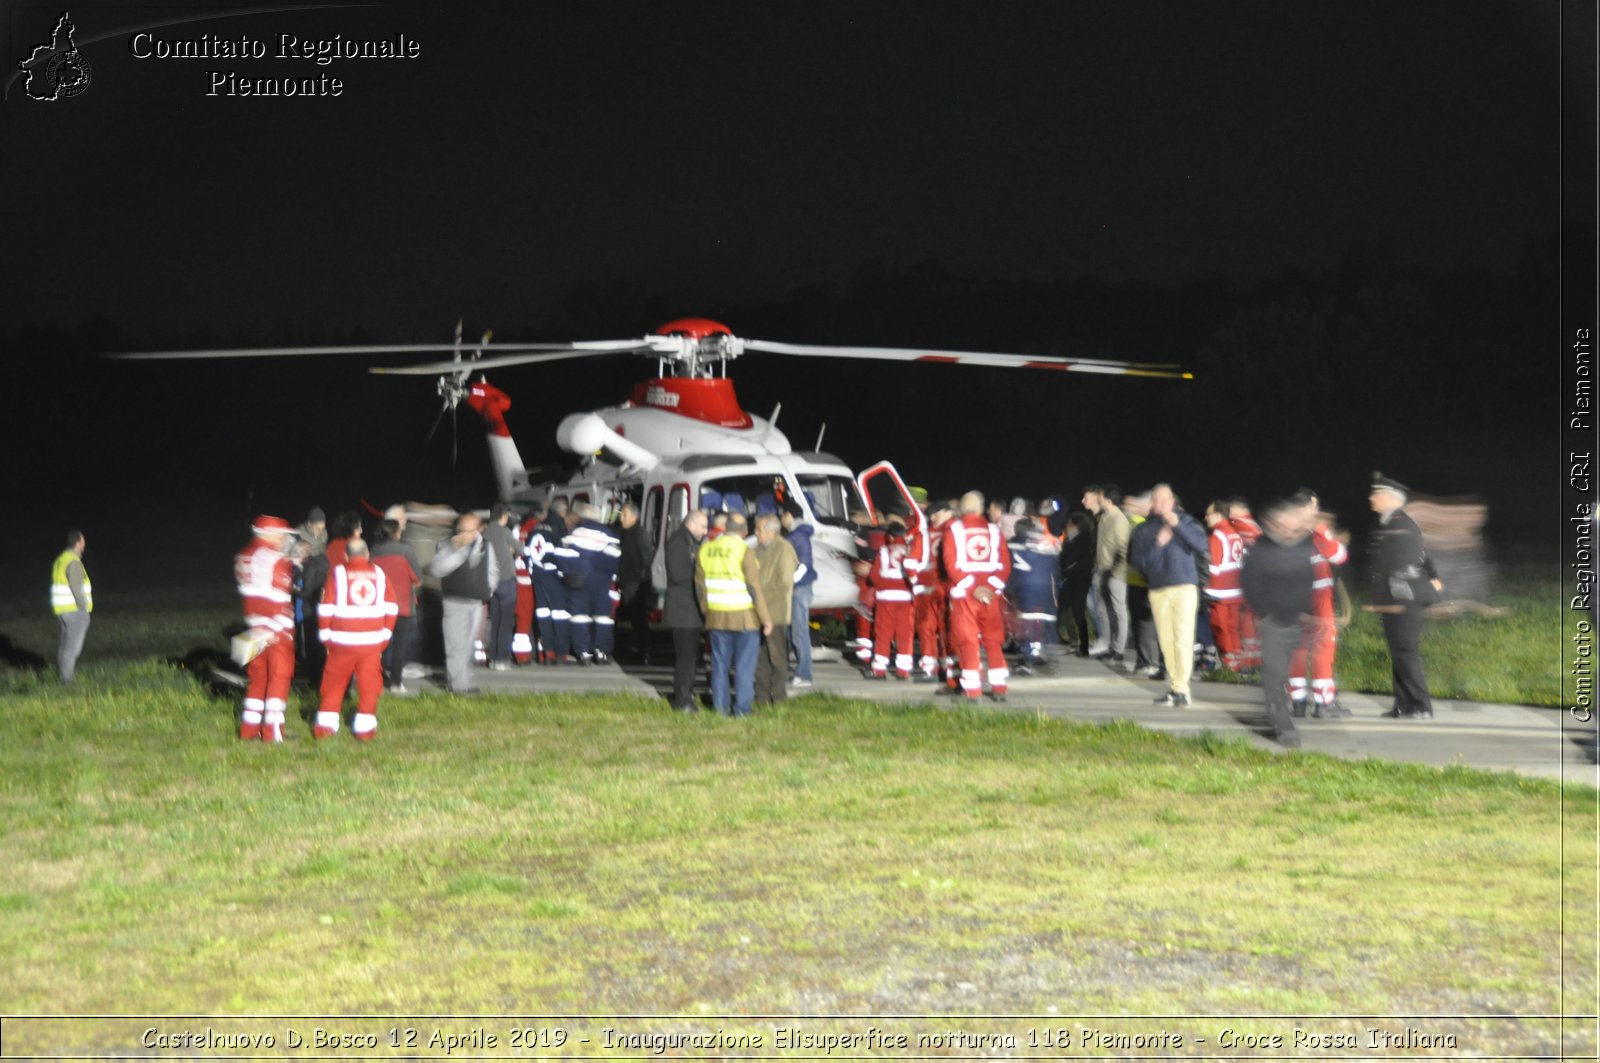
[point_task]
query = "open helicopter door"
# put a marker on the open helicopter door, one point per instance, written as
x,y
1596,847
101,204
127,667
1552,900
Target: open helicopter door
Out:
x,y
884,491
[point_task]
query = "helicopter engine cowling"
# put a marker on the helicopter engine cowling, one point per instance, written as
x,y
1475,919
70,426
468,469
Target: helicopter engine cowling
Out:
x,y
586,433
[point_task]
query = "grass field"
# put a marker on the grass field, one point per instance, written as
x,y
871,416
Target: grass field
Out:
x,y
538,855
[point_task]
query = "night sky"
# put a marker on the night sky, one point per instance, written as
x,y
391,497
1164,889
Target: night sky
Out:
x,y
1344,216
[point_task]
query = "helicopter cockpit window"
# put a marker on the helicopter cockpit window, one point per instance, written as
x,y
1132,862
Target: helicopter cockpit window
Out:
x,y
832,498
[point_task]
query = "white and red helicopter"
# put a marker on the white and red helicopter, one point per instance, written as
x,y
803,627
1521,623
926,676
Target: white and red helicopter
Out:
x,y
680,440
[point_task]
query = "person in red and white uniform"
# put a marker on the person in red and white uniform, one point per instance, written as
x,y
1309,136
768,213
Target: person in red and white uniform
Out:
x,y
1249,531
265,577
522,641
1319,631
892,608
867,539
1224,596
977,564
398,560
354,621
924,567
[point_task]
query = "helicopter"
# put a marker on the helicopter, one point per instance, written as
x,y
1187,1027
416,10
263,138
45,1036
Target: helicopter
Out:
x,y
680,440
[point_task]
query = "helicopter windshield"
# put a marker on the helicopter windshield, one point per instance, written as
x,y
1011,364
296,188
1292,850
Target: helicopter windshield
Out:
x,y
832,498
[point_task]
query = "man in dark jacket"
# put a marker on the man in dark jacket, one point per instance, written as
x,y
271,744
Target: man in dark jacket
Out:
x,y
633,581
1166,548
1404,583
1077,575
502,539
310,556
682,612
1277,579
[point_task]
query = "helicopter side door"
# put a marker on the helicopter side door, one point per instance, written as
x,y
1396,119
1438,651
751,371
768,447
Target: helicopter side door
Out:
x,y
666,519
883,491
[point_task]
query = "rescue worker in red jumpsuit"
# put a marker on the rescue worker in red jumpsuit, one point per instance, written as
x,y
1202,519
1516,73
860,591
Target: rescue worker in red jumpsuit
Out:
x,y
1249,531
892,608
977,564
868,539
265,576
1224,594
354,622
1319,634
522,640
924,567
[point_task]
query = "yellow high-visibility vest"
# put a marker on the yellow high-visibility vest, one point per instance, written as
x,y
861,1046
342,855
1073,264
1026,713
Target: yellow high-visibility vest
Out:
x,y
61,599
722,559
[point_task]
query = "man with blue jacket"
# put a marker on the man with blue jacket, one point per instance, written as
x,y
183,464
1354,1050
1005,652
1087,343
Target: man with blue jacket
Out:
x,y
588,560
1165,548
798,533
1035,574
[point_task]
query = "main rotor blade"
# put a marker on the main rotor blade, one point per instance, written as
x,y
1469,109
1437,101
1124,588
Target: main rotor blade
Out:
x,y
555,352
278,352
1169,370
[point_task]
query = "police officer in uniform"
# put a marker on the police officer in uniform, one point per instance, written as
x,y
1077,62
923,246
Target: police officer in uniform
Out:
x,y
1404,583
549,596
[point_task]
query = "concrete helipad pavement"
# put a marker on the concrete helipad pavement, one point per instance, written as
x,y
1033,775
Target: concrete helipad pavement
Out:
x,y
1542,742
1547,743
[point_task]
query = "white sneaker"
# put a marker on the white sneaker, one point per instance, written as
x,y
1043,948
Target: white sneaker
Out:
x,y
500,666
1097,648
414,671
801,684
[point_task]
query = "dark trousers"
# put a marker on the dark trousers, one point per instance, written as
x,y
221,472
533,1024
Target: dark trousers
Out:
x,y
1403,633
550,612
313,655
397,654
1203,637
635,617
685,658
1146,646
502,620
1074,601
592,628
772,667
1277,647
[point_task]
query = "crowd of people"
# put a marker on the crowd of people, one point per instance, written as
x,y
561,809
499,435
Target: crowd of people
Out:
x,y
944,592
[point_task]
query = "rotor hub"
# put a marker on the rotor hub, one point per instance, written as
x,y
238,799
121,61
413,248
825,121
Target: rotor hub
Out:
x,y
695,346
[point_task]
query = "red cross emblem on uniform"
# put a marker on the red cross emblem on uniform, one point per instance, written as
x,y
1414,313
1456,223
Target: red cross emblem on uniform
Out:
x,y
978,547
364,591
